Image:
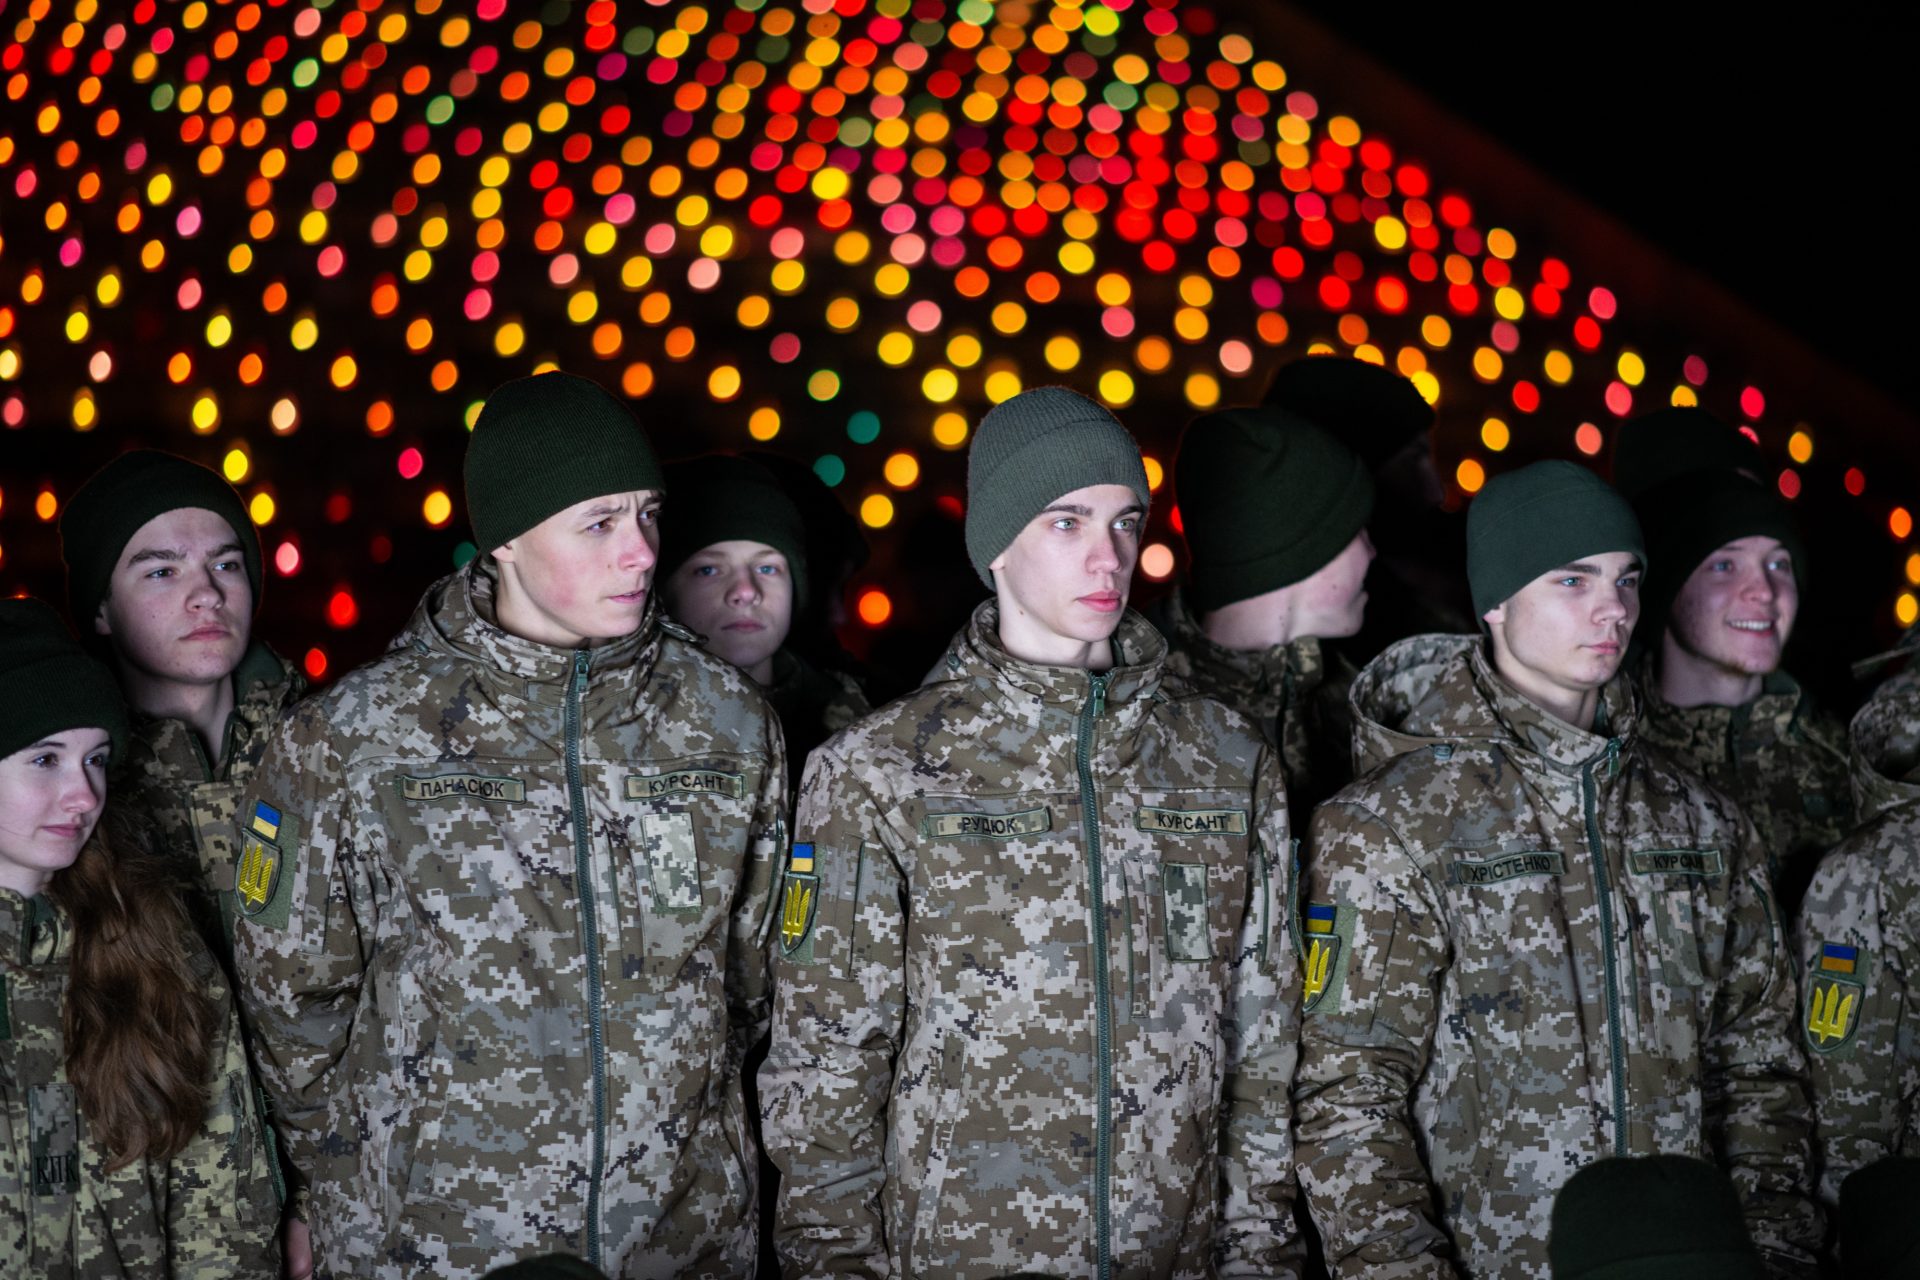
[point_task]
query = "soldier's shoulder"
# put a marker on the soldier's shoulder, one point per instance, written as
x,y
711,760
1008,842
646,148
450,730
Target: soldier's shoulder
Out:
x,y
708,687
1884,851
371,697
1193,713
1668,779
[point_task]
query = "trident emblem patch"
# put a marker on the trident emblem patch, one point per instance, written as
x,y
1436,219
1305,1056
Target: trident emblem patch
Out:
x,y
798,903
1834,994
1319,922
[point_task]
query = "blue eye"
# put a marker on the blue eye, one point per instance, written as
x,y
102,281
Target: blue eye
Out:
x,y
771,570
706,571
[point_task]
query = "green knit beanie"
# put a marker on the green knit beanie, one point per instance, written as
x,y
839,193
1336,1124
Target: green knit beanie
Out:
x,y
1690,517
49,684
1879,1231
1538,518
722,498
1029,450
1266,499
119,498
1650,1218
1373,410
542,444
1656,447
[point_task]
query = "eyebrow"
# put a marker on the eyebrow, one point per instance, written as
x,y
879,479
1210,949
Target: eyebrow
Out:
x,y
174,555
1594,570
604,509
1074,509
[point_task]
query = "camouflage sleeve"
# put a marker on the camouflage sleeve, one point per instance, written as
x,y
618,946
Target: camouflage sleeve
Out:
x,y
1862,1020
1257,1236
223,1216
1375,947
837,1027
749,978
304,925
1758,1116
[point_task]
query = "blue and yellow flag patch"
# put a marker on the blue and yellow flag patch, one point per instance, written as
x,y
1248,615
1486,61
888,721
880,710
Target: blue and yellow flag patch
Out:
x,y
1835,993
262,889
266,820
1328,933
799,903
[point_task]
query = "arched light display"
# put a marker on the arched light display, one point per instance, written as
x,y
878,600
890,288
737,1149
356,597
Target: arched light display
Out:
x,y
841,226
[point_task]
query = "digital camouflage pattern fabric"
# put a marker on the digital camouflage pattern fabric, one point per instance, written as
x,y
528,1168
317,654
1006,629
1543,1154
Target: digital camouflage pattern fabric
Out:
x,y
1859,940
1783,758
209,1213
812,704
1296,693
1543,947
191,801
1037,1000
504,913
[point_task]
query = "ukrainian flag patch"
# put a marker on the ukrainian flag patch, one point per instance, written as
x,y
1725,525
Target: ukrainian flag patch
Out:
x,y
262,886
1328,931
1835,993
266,820
799,904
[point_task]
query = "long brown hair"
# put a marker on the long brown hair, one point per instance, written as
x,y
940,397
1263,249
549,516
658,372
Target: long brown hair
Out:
x,y
139,1031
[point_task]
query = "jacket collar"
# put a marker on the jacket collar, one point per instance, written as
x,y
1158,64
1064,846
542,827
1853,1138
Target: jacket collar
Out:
x,y
1254,670
1030,689
32,930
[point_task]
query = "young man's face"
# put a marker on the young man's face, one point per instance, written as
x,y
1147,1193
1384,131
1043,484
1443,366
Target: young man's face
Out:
x,y
1736,610
179,607
1333,602
51,795
581,577
739,595
1068,573
1565,633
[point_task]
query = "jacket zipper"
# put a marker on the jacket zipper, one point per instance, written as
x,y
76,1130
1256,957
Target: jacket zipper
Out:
x,y
590,940
1102,1013
1616,1049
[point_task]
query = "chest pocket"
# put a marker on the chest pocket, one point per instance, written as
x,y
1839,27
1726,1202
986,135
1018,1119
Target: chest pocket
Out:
x,y
684,823
1184,859
1671,887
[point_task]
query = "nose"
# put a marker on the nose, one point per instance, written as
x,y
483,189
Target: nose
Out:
x,y
1105,556
1612,605
206,592
639,550
1756,585
82,792
743,587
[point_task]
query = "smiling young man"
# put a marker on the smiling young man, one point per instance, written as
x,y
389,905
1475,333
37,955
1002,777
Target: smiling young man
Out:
x,y
1722,602
1275,512
1038,997
504,893
164,566
733,569
1531,941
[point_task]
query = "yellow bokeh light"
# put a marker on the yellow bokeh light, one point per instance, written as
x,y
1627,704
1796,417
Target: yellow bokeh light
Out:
x,y
1009,317
754,310
1113,289
896,347
1906,609
261,509
46,505
1202,390
1116,387
1558,367
78,326
763,424
939,385
1486,364
843,314
206,413
1062,352
902,470
1390,232
343,372
963,349
219,330
724,382
236,465
788,276
1495,434
1633,370
1436,332
1156,473
1002,384
509,338
1470,475
876,511
1800,447
950,430
437,508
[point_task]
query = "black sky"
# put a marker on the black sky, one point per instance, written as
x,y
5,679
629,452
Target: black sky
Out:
x,y
1797,142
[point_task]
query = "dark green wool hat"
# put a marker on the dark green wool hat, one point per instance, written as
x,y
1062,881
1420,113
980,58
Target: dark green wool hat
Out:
x,y
542,444
1031,449
1879,1230
1373,410
1538,518
1266,499
721,498
49,684
1690,517
1656,447
106,511
1650,1218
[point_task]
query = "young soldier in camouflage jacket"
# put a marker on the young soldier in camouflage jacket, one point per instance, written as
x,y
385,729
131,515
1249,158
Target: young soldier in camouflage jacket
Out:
x,y
1721,605
1531,941
1860,953
505,894
164,565
1037,1001
1275,511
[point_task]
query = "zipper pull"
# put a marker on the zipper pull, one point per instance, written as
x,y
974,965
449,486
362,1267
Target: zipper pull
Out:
x,y
581,658
1099,695
1613,758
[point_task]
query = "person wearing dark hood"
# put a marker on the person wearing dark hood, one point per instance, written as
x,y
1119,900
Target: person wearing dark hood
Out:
x,y
1532,942
1274,510
1384,419
734,570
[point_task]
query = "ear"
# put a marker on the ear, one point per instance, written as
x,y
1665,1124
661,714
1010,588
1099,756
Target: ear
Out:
x,y
1496,614
102,624
998,563
506,551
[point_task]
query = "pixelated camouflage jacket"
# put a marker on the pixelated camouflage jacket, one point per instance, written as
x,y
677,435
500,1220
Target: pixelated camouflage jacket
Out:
x,y
1859,939
191,801
1781,756
503,926
1531,947
813,705
1296,692
1038,1002
207,1213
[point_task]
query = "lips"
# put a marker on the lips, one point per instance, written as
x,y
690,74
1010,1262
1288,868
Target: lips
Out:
x,y
1751,626
1102,601
209,633
745,625
68,832
631,597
